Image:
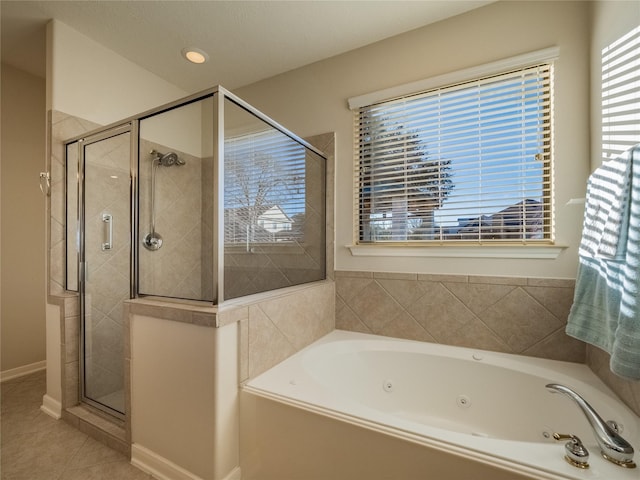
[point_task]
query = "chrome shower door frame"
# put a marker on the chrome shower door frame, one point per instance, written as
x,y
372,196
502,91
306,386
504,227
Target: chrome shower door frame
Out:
x,y
130,128
131,125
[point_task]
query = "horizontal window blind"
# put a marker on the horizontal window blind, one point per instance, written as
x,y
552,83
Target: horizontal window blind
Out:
x,y
621,94
469,162
264,195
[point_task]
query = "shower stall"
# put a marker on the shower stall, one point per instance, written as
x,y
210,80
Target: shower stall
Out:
x,y
202,200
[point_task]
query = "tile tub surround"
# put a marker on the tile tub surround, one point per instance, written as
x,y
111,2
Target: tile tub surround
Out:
x,y
627,390
275,325
525,316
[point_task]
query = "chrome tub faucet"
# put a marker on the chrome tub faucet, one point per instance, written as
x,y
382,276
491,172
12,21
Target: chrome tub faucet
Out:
x,y
613,447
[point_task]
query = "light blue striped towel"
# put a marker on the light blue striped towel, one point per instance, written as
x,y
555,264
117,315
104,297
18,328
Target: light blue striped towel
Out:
x,y
603,233
606,306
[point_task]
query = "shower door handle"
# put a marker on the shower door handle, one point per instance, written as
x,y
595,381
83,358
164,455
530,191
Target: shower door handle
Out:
x,y
107,218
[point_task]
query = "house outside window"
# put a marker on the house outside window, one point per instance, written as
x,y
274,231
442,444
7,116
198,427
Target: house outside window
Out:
x,y
469,162
264,189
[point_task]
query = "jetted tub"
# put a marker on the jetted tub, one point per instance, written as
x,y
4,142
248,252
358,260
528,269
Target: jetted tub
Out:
x,y
355,406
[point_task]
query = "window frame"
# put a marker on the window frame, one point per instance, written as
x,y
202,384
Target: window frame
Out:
x,y
538,248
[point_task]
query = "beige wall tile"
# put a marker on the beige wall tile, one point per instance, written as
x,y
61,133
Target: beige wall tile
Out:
x,y
429,277
353,274
348,287
279,324
476,334
405,326
267,345
440,312
71,385
395,276
232,314
552,282
405,292
289,317
519,320
557,300
506,314
374,306
497,280
71,336
478,297
243,349
572,349
346,319
628,390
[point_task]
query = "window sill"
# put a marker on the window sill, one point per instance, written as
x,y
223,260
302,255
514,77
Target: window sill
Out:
x,y
545,252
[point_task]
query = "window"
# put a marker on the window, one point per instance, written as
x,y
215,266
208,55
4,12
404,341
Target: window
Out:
x,y
621,94
469,162
264,197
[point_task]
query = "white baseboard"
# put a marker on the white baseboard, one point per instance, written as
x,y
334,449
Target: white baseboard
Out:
x,y
161,468
22,371
234,474
51,407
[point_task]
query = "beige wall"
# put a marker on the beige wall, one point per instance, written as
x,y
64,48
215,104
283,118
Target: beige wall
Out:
x,y
314,99
610,21
88,80
174,377
23,214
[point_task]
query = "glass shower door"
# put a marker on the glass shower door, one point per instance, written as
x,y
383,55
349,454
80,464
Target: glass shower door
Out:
x,y
105,252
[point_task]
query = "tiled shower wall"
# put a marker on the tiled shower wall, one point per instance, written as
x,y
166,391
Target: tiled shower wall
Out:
x,y
175,269
62,127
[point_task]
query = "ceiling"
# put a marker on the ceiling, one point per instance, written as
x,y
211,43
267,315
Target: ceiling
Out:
x,y
246,41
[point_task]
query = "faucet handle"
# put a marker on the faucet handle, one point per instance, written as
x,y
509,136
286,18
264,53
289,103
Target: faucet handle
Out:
x,y
575,452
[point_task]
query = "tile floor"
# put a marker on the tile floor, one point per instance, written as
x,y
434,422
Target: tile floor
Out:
x,y
34,446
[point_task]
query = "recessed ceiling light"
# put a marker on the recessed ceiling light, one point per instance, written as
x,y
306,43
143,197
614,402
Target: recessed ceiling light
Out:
x,y
195,55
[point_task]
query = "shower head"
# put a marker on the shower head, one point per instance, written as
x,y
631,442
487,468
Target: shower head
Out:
x,y
167,159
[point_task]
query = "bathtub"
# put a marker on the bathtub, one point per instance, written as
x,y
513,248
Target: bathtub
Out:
x,y
355,406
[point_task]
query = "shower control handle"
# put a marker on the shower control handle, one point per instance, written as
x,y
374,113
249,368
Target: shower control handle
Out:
x,y
107,218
